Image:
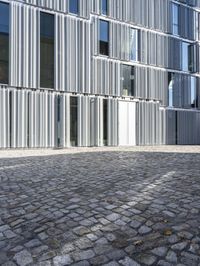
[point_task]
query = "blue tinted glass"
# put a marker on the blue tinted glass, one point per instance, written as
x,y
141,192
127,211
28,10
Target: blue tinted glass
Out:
x,y
47,25
4,18
185,61
104,7
73,6
193,92
104,31
175,11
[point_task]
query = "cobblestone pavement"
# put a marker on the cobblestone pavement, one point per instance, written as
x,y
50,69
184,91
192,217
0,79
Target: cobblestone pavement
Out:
x,y
100,208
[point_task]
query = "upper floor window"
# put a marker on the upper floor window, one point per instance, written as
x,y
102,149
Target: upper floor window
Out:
x,y
175,19
134,43
185,56
104,37
46,50
73,6
170,89
4,42
104,7
188,57
192,58
127,80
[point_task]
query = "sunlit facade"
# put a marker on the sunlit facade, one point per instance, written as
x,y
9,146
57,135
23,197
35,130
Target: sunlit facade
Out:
x,y
99,73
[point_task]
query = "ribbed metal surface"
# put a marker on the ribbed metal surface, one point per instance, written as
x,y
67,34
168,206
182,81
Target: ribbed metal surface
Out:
x,y
35,117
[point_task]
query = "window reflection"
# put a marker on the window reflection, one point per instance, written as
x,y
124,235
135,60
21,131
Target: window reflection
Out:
x,y
104,7
73,121
170,89
134,45
175,18
104,38
4,42
46,50
182,91
73,6
127,80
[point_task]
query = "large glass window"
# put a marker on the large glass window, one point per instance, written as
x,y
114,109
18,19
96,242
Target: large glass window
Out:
x,y
182,91
104,7
192,58
188,55
73,6
185,56
134,43
170,89
105,122
46,50
193,93
4,42
104,37
127,80
175,19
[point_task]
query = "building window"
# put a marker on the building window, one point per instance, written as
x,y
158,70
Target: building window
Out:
x,y
193,93
4,43
104,7
46,50
127,80
105,122
73,6
134,43
73,121
175,19
185,56
170,89
192,58
104,38
198,26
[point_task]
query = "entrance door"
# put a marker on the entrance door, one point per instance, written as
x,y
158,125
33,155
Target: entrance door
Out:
x,y
127,123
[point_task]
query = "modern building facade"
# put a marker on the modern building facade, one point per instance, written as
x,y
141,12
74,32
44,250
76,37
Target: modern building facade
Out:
x,y
99,72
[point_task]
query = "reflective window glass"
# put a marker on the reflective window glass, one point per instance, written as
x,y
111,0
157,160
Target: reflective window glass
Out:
x,y
4,43
104,38
73,6
46,50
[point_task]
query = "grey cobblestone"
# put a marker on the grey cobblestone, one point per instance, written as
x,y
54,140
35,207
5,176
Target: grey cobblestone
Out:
x,y
122,207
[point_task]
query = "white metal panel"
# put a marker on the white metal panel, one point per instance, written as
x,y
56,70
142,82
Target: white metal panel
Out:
x,y
126,123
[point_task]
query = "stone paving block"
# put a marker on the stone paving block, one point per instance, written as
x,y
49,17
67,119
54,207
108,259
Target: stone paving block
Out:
x,y
111,263
9,263
144,230
128,262
83,255
67,248
179,246
23,258
159,251
146,259
171,257
62,260
57,208
99,260
113,217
